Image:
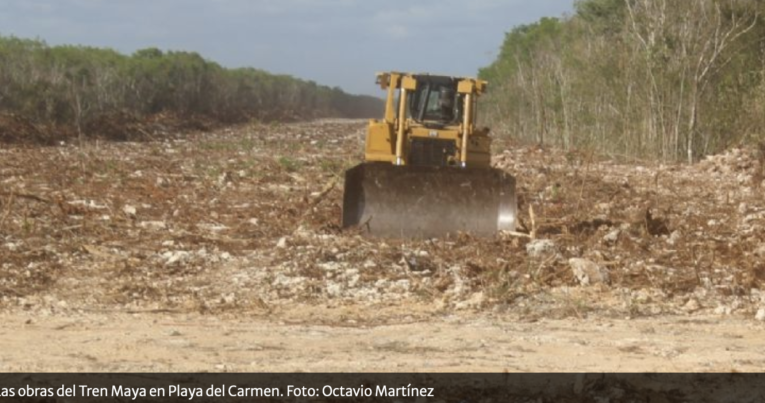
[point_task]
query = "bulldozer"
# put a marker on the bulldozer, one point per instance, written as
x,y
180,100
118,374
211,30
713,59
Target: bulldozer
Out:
x,y
427,170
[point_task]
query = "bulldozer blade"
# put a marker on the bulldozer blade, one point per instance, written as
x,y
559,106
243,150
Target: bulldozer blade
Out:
x,y
428,202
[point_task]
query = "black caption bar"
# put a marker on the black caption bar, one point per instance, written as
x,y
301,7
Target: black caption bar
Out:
x,y
419,388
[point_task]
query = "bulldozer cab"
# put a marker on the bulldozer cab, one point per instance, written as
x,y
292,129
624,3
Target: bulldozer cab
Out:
x,y
429,121
436,101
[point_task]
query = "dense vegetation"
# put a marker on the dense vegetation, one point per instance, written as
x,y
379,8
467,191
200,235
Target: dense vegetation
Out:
x,y
665,79
70,86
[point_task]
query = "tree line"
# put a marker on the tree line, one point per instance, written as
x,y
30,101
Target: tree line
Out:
x,y
660,79
72,85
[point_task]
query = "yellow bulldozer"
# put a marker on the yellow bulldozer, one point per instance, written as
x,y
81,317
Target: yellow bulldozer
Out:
x,y
427,170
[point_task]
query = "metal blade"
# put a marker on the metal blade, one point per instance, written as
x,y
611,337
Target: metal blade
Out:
x,y
425,202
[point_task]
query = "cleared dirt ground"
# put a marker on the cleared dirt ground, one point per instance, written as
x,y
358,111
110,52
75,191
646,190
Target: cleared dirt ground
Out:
x,y
220,251
190,343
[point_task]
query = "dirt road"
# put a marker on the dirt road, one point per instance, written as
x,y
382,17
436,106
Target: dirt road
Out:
x,y
162,342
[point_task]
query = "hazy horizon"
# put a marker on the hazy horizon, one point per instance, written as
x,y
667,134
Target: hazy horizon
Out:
x,y
332,42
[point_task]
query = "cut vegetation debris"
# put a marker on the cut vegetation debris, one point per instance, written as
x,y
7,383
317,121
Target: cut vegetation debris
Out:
x,y
246,220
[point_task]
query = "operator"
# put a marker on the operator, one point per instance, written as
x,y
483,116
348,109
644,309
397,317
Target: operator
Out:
x,y
446,105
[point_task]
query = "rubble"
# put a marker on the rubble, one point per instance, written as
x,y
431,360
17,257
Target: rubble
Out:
x,y
612,237
588,272
246,219
542,249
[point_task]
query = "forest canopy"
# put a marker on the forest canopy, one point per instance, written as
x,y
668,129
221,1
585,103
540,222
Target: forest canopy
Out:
x,y
71,86
659,79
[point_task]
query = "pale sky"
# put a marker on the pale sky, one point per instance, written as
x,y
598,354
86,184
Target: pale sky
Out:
x,y
333,42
